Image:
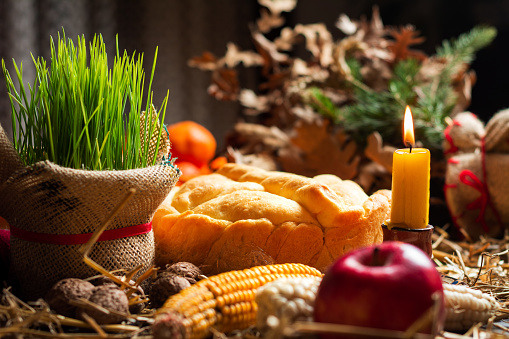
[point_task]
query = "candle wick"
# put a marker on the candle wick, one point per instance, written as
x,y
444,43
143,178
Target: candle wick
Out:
x,y
409,144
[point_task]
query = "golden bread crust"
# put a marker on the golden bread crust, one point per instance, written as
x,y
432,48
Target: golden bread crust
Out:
x,y
203,188
242,216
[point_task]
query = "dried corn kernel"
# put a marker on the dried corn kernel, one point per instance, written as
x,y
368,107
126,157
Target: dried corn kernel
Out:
x,y
284,301
465,307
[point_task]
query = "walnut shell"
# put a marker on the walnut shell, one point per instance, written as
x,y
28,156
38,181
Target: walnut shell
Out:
x,y
166,285
134,308
59,296
186,270
111,298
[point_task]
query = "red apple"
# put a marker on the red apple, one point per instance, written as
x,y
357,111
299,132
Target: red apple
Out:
x,y
387,286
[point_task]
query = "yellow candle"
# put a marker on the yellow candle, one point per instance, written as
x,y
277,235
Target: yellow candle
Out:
x,y
410,183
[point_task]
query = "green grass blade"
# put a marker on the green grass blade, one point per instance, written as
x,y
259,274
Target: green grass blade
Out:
x,y
76,113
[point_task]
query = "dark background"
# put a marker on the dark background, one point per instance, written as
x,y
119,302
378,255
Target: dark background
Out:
x,y
183,29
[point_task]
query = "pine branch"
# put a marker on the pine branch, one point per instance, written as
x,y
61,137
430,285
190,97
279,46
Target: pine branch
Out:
x,y
376,111
403,82
322,104
373,111
463,49
438,97
355,68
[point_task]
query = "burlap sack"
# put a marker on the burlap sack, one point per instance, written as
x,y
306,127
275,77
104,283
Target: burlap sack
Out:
x,y
477,195
9,158
476,185
48,199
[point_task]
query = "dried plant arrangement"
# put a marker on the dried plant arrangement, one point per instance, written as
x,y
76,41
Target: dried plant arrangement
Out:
x,y
334,107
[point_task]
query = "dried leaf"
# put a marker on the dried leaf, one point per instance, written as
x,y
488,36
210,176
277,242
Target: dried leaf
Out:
x,y
269,52
324,150
225,85
278,6
291,160
346,25
249,99
369,43
304,112
404,38
234,57
377,52
376,24
377,152
372,177
318,41
463,88
300,68
286,39
303,72
430,69
376,74
256,138
372,32
345,46
268,21
261,160
276,80
206,62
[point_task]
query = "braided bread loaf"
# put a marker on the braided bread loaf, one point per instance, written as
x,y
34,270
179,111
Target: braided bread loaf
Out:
x,y
242,216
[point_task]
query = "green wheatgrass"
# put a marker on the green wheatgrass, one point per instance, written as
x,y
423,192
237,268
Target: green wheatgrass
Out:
x,y
79,113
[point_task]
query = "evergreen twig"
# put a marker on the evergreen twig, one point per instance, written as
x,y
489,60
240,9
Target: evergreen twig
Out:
x,y
383,111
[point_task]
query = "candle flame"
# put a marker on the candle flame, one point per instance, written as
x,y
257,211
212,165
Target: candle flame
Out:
x,y
408,128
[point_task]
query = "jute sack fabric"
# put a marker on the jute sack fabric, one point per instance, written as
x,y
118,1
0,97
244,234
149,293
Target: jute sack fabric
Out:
x,y
476,185
48,199
9,160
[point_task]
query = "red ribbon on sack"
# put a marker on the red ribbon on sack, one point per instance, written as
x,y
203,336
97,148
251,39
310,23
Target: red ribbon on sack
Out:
x,y
77,239
468,178
447,135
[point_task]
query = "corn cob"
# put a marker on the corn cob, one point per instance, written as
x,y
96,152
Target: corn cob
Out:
x,y
465,307
284,301
225,301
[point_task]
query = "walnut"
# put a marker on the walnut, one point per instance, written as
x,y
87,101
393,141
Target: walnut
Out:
x,y
102,280
111,298
186,270
166,285
60,295
137,308
134,308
